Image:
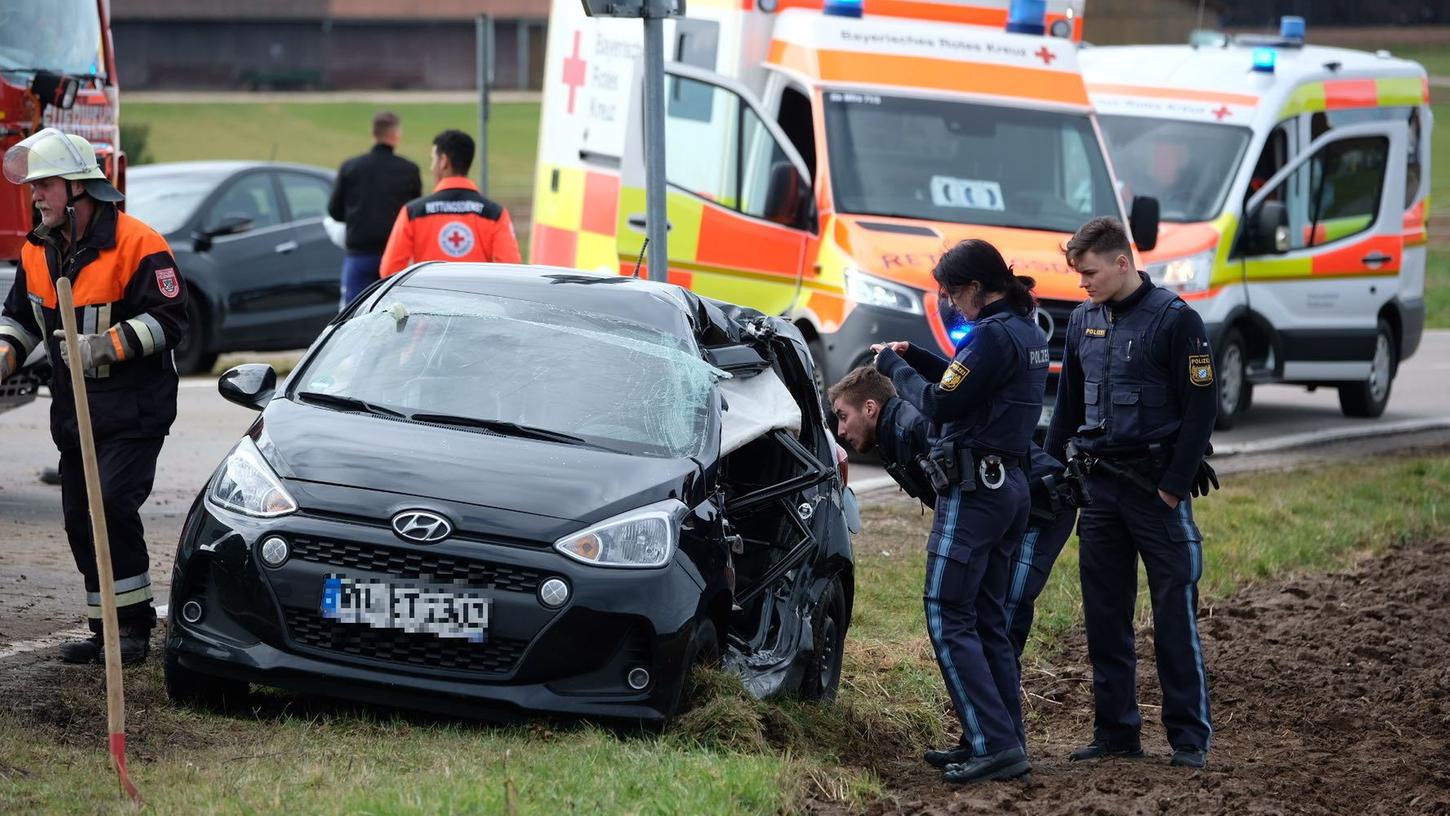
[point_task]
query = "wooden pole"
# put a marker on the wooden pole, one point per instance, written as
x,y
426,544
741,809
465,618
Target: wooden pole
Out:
x,y
110,631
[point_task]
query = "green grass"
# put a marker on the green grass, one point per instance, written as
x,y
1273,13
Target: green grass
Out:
x,y
731,754
326,133
1437,285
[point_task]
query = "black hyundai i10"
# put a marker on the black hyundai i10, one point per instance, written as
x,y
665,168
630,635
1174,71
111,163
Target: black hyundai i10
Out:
x,y
504,489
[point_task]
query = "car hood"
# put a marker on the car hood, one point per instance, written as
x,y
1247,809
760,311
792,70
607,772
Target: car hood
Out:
x,y
547,479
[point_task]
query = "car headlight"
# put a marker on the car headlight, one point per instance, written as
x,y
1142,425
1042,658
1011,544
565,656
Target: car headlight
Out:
x,y
1189,274
874,291
246,484
640,538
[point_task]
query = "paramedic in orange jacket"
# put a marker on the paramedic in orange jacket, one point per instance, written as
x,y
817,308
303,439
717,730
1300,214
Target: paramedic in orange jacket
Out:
x,y
130,304
455,222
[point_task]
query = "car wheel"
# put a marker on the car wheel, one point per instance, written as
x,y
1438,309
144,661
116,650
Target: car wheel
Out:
x,y
828,624
1235,392
1368,399
188,688
704,652
192,356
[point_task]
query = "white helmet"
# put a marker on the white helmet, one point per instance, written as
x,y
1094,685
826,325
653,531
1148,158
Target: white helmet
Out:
x,y
49,153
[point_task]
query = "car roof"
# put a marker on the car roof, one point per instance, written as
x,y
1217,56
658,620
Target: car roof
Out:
x,y
217,168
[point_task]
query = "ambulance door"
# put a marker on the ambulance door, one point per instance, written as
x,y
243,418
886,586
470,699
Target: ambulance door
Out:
x,y
1322,244
738,201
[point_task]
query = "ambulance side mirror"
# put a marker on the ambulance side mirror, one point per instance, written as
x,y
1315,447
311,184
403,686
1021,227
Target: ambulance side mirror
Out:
x,y
250,386
789,200
1143,221
1268,230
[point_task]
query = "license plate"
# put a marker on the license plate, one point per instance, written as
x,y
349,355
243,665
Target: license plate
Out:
x,y
449,612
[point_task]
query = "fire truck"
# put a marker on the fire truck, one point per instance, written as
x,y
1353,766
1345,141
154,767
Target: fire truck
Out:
x,y
57,69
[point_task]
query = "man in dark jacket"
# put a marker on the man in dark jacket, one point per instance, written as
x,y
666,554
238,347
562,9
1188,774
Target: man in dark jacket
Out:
x,y
870,416
370,190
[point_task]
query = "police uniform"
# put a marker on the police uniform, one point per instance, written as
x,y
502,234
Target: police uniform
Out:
x,y
128,290
454,223
983,406
1053,513
903,435
1137,398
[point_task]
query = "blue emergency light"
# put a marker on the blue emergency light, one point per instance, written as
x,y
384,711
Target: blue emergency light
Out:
x,y
843,8
959,333
1264,59
1026,16
1291,28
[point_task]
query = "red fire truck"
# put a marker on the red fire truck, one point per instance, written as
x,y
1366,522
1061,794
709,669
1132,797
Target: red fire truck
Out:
x,y
57,69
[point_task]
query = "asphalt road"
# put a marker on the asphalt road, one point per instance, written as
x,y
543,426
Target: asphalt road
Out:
x,y
40,592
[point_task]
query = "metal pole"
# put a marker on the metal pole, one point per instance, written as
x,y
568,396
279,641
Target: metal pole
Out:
x,y
656,227
483,57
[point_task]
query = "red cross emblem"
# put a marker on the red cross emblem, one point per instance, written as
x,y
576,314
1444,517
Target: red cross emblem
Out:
x,y
455,239
1046,56
1221,112
574,71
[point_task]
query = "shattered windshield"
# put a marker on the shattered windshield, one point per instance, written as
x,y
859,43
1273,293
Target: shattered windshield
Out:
x,y
520,367
58,35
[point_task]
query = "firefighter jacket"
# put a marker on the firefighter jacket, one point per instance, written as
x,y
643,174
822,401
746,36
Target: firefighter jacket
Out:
x,y
126,287
454,223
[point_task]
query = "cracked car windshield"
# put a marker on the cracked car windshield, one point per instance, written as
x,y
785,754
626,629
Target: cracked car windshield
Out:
x,y
971,164
609,381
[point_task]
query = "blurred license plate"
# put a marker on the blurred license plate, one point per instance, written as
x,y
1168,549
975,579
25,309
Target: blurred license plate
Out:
x,y
449,612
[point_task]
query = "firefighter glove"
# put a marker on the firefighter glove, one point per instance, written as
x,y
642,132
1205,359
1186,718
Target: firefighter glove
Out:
x,y
96,350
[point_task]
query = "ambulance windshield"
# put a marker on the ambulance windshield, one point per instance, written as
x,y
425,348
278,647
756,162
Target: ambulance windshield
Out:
x,y
494,364
1187,166
62,36
939,160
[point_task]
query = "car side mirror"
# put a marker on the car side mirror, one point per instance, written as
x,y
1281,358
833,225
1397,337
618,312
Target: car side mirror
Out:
x,y
1267,230
1143,221
250,386
229,225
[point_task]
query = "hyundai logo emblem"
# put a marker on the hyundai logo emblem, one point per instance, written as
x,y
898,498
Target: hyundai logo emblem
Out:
x,y
421,526
1045,322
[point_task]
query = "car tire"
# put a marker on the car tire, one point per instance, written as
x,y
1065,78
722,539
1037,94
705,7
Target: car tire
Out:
x,y
202,691
1235,392
192,356
1369,398
704,651
828,625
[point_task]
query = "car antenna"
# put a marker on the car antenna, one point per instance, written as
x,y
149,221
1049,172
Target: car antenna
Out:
x,y
640,259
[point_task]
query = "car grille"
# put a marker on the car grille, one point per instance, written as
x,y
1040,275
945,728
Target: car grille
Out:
x,y
416,564
497,655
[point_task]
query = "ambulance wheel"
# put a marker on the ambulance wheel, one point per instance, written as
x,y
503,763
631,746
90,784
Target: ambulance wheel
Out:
x,y
1235,392
1368,399
191,354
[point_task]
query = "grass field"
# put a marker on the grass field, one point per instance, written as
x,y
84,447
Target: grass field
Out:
x,y
729,755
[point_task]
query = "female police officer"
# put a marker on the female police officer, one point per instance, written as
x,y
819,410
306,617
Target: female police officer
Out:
x,y
983,406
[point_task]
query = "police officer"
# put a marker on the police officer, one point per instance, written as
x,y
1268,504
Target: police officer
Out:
x,y
982,405
453,223
131,309
869,416
1136,402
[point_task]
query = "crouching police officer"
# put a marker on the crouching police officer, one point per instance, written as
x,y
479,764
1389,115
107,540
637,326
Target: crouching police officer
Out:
x,y
869,416
130,305
982,406
1135,407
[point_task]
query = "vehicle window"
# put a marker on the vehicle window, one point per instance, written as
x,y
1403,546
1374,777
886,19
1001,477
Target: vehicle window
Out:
x,y
966,163
250,197
165,202
615,383
57,35
307,196
766,173
798,125
1325,121
1271,159
1336,193
1187,166
706,117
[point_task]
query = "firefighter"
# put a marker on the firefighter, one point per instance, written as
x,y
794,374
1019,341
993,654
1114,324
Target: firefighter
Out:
x,y
131,310
456,222
983,406
1135,407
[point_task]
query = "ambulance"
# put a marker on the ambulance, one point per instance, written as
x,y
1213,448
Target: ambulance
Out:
x,y
1292,181
821,156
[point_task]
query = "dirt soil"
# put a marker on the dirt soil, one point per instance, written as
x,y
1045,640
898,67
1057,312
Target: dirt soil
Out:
x,y
1330,694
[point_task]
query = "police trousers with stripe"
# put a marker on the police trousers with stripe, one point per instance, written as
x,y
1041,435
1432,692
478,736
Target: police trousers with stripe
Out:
x,y
1125,523
1031,565
127,470
969,559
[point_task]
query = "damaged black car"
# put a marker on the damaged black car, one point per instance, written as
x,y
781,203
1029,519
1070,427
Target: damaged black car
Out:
x,y
494,490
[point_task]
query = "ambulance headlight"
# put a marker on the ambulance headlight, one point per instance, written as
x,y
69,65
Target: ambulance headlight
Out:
x,y
874,291
1190,274
246,484
640,538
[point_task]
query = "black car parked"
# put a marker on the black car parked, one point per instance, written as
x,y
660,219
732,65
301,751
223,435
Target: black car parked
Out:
x,y
496,489
249,239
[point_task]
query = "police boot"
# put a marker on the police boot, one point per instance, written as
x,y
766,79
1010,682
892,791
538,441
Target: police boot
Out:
x,y
1189,757
942,757
82,651
1008,764
1103,750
